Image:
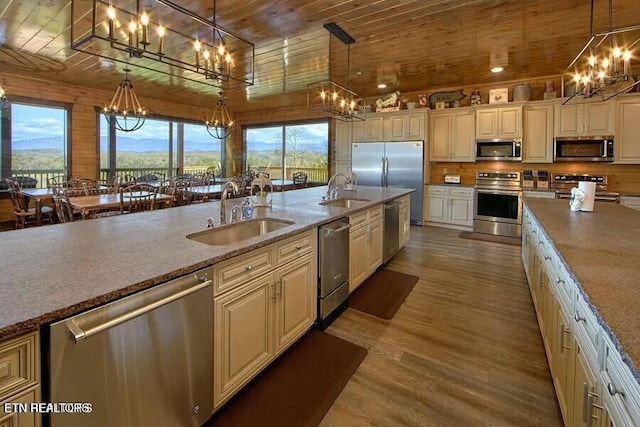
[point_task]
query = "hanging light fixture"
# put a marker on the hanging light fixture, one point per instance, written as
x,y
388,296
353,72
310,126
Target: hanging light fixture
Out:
x,y
603,66
141,33
220,124
3,97
331,98
124,110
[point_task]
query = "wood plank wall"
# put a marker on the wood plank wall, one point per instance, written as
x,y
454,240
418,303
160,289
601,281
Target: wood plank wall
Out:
x,y
620,178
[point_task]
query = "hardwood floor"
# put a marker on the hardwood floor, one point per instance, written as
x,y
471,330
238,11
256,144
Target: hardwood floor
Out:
x,y
463,350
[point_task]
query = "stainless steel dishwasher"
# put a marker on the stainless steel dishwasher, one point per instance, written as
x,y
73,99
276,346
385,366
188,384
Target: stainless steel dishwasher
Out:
x,y
333,271
391,242
144,360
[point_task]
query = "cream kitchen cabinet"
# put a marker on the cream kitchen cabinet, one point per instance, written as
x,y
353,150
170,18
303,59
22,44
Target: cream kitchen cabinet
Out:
x,y
405,220
503,122
365,245
627,144
20,379
593,384
537,144
371,129
632,202
343,141
449,206
585,119
269,303
405,126
452,135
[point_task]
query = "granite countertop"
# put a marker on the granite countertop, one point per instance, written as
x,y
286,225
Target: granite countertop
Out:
x,y
600,250
55,271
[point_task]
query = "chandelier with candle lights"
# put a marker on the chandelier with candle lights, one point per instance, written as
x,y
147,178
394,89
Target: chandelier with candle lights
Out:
x,y
220,125
163,37
603,67
125,111
331,98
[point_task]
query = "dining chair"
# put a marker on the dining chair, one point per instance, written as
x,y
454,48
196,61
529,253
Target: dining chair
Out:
x,y
138,197
25,215
63,208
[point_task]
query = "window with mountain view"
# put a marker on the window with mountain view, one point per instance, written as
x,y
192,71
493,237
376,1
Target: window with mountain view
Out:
x,y
289,148
34,142
163,147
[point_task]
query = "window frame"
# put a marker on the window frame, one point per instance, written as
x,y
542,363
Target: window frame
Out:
x,y
284,126
176,126
6,147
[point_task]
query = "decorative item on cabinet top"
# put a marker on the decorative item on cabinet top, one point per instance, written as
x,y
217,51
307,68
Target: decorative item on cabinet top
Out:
x,y
499,96
448,98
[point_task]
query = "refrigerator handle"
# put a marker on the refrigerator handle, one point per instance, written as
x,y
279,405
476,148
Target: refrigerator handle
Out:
x,y
382,173
386,172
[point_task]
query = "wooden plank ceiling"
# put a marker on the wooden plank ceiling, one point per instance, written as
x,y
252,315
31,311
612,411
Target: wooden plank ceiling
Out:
x,y
411,45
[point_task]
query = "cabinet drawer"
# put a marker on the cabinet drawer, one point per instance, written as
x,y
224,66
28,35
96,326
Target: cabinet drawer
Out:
x,y
231,273
293,247
461,192
437,190
18,364
404,201
375,213
358,219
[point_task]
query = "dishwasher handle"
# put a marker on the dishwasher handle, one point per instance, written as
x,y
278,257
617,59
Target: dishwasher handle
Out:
x,y
337,230
391,205
79,334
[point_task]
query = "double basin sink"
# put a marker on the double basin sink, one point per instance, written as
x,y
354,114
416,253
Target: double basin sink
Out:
x,y
239,231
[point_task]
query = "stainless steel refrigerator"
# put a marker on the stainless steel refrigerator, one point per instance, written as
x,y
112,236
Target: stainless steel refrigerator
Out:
x,y
392,164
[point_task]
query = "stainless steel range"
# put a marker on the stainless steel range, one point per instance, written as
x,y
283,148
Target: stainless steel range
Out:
x,y
498,203
562,183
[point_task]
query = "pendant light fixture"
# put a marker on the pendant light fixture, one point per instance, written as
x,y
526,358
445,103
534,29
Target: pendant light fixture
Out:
x,y
125,111
220,124
331,98
3,97
603,67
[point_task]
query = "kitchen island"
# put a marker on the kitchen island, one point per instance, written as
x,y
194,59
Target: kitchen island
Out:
x,y
583,274
54,272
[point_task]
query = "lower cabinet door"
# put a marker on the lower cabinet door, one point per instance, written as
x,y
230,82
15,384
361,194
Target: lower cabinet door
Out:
x,y
358,256
375,245
21,419
296,294
586,399
242,335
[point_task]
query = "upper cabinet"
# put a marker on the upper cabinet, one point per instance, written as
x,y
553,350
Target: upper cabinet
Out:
x,y
369,130
627,144
404,126
343,141
537,141
504,122
585,119
397,126
452,135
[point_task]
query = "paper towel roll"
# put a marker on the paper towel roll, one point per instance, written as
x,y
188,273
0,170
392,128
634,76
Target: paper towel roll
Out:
x,y
589,189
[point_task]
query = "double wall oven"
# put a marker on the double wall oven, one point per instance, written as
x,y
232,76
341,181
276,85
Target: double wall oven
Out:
x,y
498,203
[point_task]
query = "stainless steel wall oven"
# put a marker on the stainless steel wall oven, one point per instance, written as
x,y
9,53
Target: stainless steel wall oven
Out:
x,y
498,204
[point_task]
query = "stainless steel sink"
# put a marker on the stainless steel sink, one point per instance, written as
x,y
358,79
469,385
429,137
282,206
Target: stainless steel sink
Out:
x,y
345,202
239,231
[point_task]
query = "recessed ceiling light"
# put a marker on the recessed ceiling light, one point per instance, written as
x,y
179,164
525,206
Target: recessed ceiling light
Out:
x,y
382,86
106,63
497,69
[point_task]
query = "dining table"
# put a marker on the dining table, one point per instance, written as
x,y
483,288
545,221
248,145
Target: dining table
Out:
x,y
40,196
89,205
204,192
282,184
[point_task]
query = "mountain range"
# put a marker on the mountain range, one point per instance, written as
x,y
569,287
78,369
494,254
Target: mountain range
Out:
x,y
127,144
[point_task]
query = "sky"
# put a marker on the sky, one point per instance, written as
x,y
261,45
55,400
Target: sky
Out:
x,y
36,122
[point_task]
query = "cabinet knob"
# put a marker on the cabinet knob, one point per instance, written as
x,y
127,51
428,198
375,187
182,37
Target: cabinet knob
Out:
x,y
248,267
298,247
579,318
613,390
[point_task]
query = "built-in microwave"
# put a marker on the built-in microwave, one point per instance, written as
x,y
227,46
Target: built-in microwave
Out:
x,y
496,149
583,149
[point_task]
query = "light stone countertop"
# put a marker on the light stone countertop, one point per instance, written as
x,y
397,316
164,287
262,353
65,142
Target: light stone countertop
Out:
x,y
601,251
56,271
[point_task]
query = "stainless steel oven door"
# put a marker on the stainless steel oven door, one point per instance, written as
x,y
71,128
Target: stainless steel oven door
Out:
x,y
498,205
